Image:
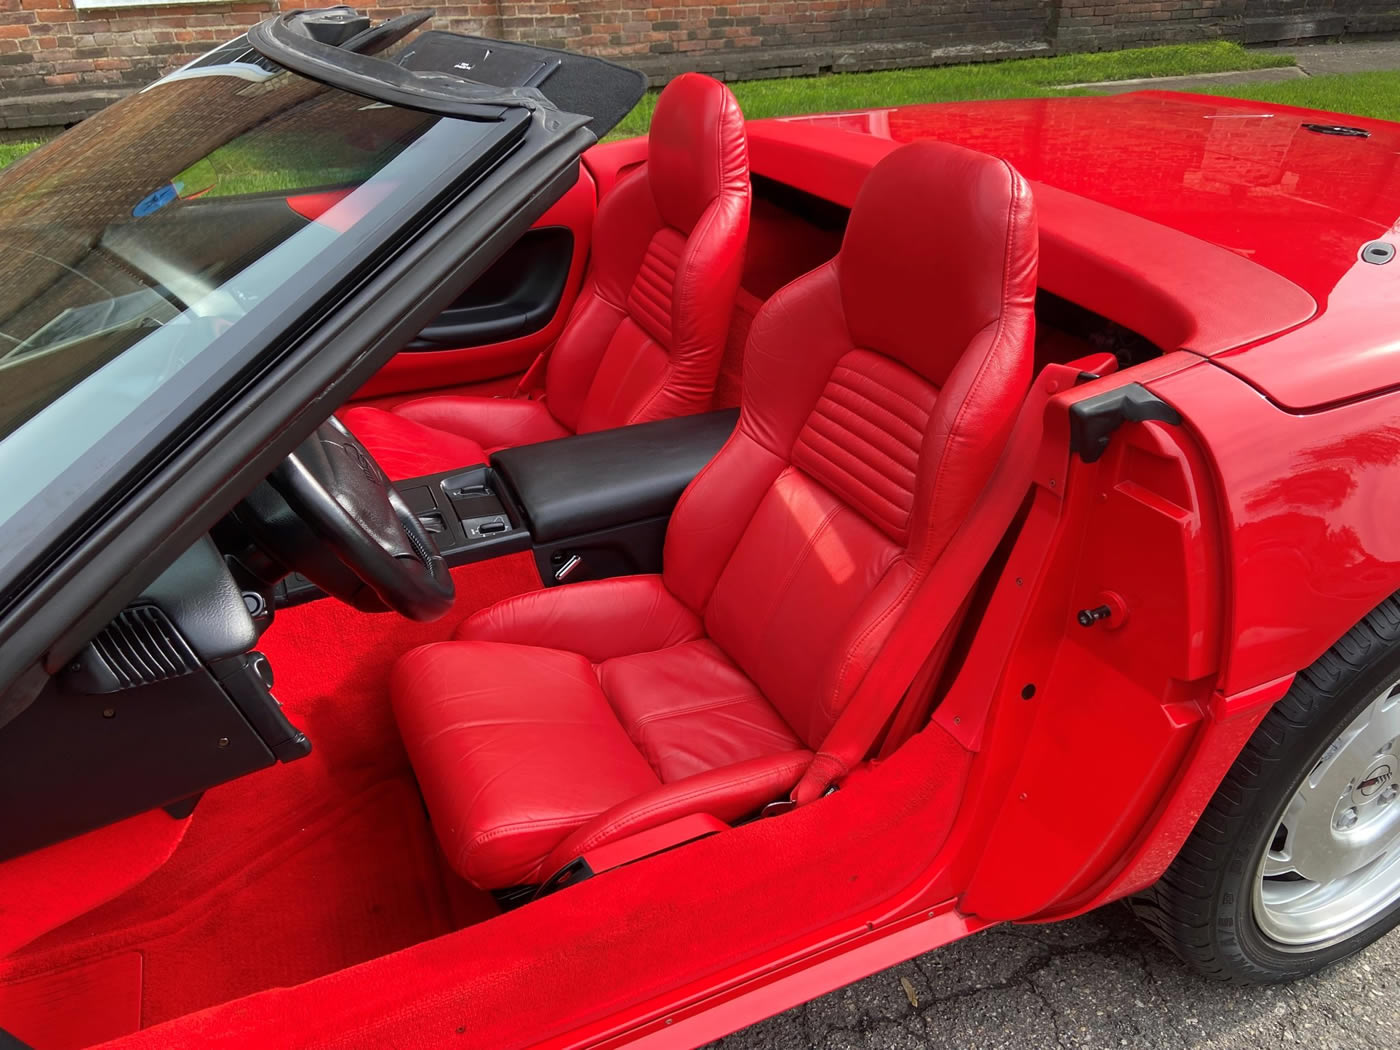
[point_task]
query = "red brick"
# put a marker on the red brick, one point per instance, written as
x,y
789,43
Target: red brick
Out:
x,y
667,35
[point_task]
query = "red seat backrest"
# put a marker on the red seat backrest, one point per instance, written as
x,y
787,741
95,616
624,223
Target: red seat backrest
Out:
x,y
646,338
878,393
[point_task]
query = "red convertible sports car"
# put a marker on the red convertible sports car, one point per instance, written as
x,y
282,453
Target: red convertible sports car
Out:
x,y
809,542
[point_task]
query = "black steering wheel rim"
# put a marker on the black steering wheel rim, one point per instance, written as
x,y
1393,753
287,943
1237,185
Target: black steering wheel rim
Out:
x,y
333,484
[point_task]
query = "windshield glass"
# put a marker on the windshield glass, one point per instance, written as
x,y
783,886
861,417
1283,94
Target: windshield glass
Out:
x,y
157,248
145,215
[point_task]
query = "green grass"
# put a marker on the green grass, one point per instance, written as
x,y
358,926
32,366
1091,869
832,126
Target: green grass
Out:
x,y
256,164
11,151
1017,78
276,162
1360,94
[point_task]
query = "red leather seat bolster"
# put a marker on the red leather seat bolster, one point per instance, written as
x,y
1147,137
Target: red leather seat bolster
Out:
x,y
601,619
728,793
405,449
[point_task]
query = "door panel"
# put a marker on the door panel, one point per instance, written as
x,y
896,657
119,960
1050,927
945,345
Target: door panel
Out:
x,y
517,297
501,324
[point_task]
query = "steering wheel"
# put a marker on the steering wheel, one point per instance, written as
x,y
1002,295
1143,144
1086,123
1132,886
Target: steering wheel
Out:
x,y
353,536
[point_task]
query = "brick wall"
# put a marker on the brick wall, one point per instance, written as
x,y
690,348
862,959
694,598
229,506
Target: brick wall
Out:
x,y
59,62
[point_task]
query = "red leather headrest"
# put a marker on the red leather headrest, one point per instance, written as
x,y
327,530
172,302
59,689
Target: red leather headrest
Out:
x,y
941,243
697,149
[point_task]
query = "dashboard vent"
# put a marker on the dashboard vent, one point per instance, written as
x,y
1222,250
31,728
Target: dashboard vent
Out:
x,y
142,646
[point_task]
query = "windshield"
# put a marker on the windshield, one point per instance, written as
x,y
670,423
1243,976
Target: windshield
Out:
x,y
146,215
145,252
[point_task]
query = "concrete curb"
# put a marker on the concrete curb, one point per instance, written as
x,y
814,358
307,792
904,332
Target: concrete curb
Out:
x,y
1243,76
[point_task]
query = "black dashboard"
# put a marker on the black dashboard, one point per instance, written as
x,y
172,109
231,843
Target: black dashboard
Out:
x,y
168,700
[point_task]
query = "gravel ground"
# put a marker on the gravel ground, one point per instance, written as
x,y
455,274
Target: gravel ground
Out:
x,y
1098,981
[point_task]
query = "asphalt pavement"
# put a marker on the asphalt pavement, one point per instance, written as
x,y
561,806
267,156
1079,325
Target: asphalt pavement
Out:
x,y
1098,981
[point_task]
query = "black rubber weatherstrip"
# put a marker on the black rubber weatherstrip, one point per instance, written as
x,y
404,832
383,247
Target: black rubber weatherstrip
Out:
x,y
449,96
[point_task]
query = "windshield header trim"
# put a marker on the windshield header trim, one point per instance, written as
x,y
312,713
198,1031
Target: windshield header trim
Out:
x,y
281,40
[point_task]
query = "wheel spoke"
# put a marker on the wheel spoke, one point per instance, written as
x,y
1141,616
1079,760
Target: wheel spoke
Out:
x,y
1312,843
1385,718
1316,857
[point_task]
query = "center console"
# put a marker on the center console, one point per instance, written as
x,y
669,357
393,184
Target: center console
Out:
x,y
588,506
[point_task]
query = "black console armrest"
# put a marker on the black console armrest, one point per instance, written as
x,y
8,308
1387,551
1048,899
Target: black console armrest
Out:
x,y
580,484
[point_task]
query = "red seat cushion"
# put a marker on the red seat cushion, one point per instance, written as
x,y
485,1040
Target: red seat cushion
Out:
x,y
688,709
879,392
503,779
507,778
646,337
432,434
405,449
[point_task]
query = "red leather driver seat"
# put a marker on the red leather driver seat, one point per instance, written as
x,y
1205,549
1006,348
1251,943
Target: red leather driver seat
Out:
x,y
646,337
878,393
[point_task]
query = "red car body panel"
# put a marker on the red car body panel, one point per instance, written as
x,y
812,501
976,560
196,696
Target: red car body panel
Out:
x,y
1309,504
1241,177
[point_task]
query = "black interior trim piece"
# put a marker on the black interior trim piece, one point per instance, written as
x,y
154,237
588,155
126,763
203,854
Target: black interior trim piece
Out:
x,y
120,754
623,550
518,296
1093,420
464,512
818,211
587,482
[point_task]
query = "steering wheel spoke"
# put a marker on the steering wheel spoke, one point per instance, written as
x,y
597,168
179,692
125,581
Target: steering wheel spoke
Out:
x,y
335,488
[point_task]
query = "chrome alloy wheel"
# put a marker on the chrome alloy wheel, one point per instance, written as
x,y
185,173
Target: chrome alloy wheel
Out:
x,y
1333,864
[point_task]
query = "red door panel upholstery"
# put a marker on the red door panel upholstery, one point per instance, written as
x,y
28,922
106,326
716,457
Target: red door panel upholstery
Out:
x,y
645,339
879,392
432,369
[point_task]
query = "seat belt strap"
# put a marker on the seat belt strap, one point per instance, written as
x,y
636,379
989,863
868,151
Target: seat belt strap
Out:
x,y
930,614
917,704
532,382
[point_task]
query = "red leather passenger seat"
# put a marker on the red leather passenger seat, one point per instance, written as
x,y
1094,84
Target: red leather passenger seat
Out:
x,y
878,393
645,339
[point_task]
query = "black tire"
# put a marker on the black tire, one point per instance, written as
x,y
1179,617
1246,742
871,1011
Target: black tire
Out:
x,y
1203,906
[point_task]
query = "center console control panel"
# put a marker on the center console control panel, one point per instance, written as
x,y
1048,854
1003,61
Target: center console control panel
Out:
x,y
588,506
465,512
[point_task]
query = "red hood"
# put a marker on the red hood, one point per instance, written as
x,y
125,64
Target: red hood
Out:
x,y
1247,177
